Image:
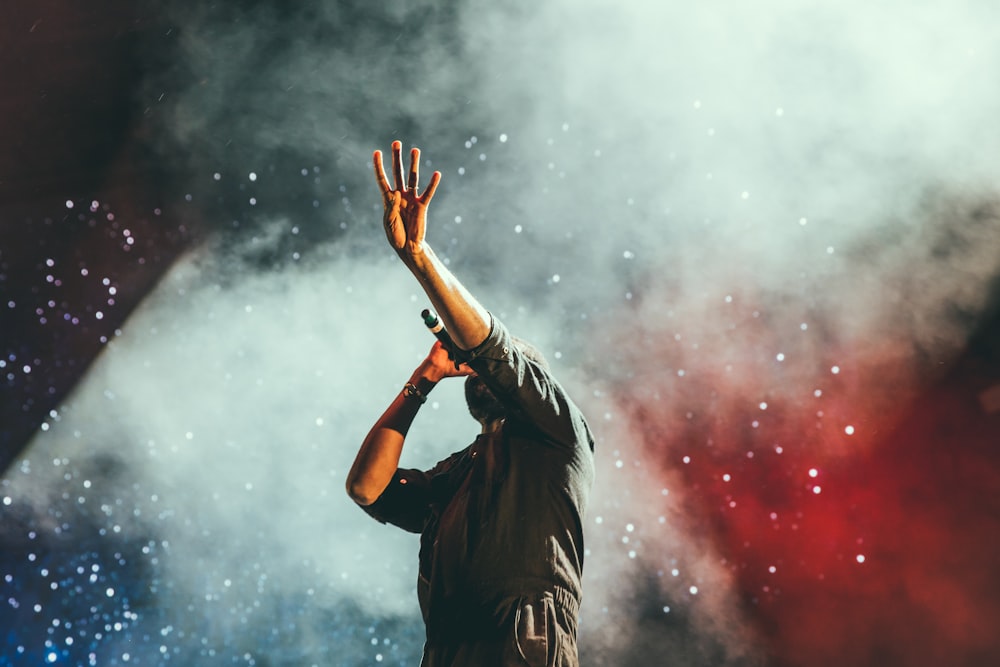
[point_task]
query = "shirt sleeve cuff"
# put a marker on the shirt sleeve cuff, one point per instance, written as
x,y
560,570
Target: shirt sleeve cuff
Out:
x,y
493,339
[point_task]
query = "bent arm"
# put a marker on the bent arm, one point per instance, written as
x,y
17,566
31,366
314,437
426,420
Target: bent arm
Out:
x,y
378,458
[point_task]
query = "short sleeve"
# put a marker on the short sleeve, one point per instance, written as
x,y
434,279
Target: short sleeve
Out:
x,y
528,389
405,502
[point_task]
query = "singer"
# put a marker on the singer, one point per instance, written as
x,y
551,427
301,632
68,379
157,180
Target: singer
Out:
x,y
501,521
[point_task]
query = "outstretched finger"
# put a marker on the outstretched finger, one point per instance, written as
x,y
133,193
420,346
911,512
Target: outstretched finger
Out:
x,y
414,169
383,184
431,187
397,165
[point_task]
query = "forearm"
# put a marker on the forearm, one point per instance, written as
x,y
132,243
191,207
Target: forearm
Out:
x,y
466,319
378,457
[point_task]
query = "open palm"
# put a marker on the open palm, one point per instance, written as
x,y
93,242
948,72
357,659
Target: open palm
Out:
x,y
405,214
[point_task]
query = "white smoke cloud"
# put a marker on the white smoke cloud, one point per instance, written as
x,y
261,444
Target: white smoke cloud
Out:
x,y
825,159
236,413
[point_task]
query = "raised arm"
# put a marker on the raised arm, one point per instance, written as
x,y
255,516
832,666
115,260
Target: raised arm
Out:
x,y
405,222
525,385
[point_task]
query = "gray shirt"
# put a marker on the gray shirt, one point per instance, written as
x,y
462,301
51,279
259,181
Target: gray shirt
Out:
x,y
504,516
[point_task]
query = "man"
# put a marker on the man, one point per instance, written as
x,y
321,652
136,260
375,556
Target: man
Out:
x,y
501,522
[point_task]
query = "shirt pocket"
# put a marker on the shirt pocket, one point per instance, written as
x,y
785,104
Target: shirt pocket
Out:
x,y
535,631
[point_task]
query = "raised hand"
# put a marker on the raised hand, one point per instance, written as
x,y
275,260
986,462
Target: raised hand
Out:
x,y
405,214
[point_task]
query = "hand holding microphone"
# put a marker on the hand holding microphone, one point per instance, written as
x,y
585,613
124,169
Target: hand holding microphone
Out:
x,y
436,327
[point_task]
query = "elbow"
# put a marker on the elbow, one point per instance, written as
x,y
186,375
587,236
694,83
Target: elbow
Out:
x,y
361,493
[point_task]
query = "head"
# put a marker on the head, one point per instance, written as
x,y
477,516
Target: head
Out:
x,y
483,405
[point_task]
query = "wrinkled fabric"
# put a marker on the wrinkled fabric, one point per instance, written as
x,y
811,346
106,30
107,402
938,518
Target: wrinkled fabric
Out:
x,y
501,524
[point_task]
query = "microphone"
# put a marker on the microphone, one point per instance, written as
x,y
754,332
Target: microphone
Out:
x,y
436,326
